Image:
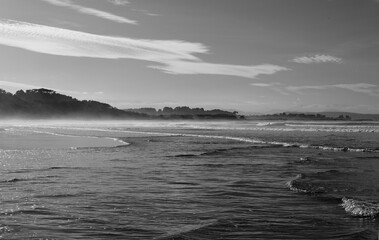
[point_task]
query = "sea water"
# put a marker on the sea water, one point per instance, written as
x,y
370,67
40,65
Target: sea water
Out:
x,y
189,180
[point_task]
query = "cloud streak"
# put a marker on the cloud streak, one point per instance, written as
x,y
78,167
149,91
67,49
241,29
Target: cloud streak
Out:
x,y
186,67
276,86
318,58
92,11
176,57
367,88
62,42
18,86
119,2
264,84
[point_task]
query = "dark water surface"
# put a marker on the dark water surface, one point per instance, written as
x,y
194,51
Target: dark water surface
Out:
x,y
189,180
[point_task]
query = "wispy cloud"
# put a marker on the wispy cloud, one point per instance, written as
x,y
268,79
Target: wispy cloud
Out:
x,y
119,2
367,88
124,2
276,86
91,11
263,84
177,57
146,12
18,86
187,67
63,42
318,58
361,87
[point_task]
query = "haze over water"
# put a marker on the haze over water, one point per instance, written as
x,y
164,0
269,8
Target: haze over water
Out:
x,y
189,59
189,180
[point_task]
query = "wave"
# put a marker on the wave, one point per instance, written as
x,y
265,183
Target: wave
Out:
x,y
283,127
342,149
15,179
302,186
70,168
233,138
122,142
321,186
240,139
183,183
306,160
320,183
223,150
31,211
184,155
360,208
202,230
12,180
117,160
31,170
43,196
261,124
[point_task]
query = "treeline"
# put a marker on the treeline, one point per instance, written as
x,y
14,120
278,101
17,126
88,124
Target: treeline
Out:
x,y
185,112
45,103
298,116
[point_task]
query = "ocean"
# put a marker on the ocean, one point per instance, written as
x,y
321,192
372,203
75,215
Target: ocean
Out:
x,y
189,180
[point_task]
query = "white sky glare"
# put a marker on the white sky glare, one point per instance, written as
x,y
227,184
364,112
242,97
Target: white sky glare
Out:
x,y
245,55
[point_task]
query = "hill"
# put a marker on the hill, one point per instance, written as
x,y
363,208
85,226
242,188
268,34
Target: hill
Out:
x,y
45,103
185,112
354,116
318,116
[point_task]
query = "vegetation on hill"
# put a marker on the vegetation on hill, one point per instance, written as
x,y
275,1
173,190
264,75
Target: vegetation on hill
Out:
x,y
299,116
185,112
45,103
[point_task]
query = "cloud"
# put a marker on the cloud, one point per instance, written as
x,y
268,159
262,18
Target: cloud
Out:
x,y
124,2
273,86
58,41
177,57
318,58
146,12
263,84
361,87
91,11
119,2
18,86
186,67
370,89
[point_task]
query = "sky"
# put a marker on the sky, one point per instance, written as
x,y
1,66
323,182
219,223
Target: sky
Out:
x,y
253,56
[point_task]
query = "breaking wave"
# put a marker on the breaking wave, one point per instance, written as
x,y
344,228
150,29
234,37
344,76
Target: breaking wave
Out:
x,y
298,184
360,208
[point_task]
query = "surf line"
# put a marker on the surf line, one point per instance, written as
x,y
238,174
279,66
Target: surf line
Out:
x,y
247,140
79,136
240,139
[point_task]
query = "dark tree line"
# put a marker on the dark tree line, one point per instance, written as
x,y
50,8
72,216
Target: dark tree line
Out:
x,y
45,103
185,112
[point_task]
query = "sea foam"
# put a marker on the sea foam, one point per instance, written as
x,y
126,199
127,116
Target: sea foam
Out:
x,y
360,208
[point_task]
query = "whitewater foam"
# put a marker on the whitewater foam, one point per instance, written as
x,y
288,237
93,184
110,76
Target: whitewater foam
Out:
x,y
303,186
360,208
240,139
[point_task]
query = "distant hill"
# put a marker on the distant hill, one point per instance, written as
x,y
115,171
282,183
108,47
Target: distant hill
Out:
x,y
185,112
318,116
354,116
45,103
